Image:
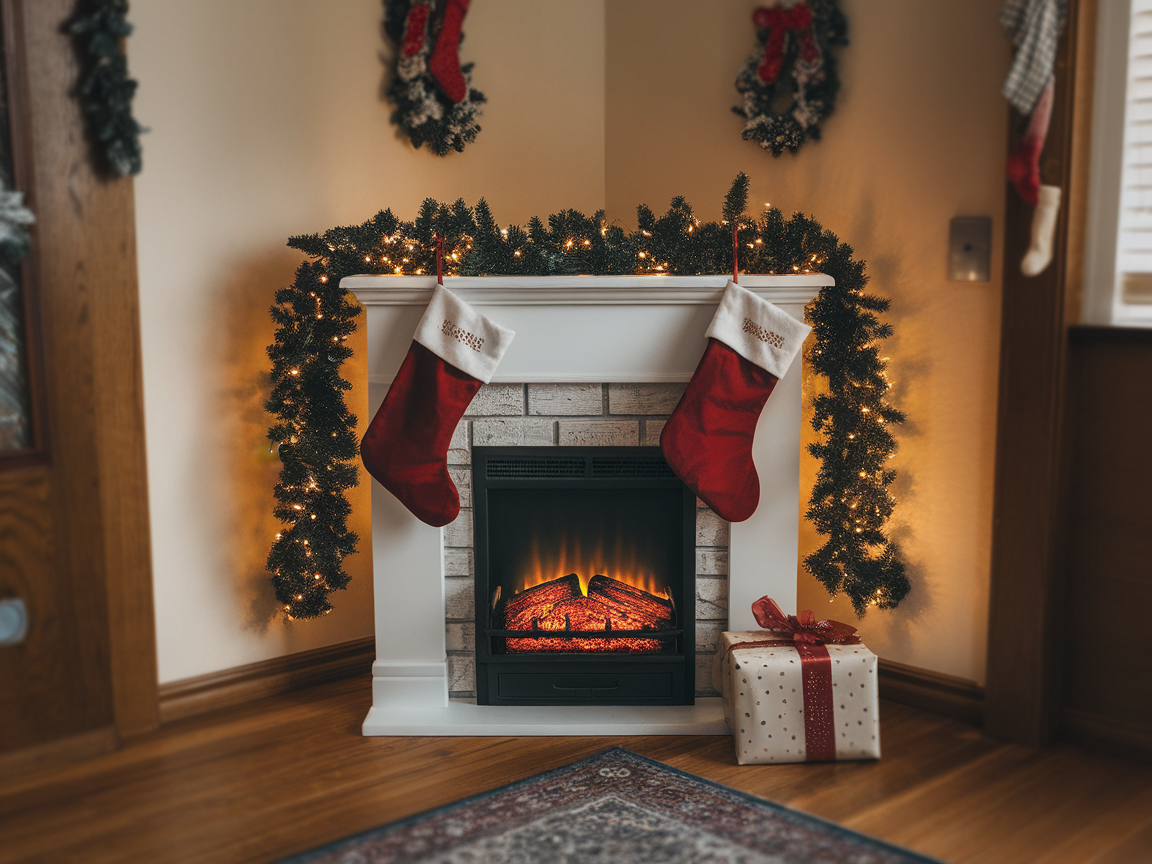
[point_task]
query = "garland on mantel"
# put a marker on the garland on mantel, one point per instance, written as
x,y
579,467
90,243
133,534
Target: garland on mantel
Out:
x,y
315,433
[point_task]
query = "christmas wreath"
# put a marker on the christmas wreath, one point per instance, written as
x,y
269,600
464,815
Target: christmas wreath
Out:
x,y
789,83
435,102
316,434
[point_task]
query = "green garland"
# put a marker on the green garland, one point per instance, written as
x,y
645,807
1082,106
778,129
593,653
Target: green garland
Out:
x,y
104,88
850,503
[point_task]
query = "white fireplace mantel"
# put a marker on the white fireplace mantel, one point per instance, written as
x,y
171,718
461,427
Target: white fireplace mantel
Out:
x,y
568,329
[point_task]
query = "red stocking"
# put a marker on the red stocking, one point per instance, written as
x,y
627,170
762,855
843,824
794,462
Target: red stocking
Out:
x,y
1024,162
445,62
454,350
415,29
708,439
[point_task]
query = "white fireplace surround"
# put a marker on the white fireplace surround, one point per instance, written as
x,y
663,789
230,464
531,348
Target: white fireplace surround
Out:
x,y
568,329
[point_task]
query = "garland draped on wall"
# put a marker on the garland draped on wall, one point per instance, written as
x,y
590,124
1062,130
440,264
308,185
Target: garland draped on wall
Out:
x,y
104,89
850,504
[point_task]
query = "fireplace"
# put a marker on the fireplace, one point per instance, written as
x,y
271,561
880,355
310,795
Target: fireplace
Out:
x,y
585,582
612,330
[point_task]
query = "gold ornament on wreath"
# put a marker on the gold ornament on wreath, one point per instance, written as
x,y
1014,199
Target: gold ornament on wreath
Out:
x,y
789,84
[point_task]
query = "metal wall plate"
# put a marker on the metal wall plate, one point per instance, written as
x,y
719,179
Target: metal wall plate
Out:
x,y
970,249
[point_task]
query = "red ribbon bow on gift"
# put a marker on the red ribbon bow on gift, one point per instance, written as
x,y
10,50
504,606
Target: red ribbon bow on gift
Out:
x,y
801,630
779,21
803,627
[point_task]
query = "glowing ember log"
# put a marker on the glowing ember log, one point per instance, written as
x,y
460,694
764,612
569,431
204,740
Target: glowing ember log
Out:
x,y
611,607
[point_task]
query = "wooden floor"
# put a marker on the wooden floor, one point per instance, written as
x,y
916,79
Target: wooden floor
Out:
x,y
283,775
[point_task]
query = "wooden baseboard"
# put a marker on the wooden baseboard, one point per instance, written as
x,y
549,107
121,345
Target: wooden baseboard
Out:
x,y
931,691
71,749
1122,737
192,696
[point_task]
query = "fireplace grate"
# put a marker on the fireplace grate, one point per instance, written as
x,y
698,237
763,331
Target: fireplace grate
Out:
x,y
599,467
632,466
501,468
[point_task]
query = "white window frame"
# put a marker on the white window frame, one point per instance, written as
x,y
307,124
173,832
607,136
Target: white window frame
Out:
x,y
1103,297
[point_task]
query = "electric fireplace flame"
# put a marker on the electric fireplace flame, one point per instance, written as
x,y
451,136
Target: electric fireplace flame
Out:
x,y
619,561
598,617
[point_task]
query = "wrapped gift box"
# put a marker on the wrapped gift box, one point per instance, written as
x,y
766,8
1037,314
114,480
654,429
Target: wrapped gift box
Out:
x,y
796,701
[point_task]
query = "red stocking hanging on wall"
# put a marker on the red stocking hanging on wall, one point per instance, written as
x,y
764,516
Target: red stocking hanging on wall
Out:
x,y
454,351
708,439
445,62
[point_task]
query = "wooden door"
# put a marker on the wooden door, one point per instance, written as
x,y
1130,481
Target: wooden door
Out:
x,y
74,539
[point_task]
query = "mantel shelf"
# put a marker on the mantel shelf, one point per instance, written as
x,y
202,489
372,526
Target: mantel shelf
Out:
x,y
581,290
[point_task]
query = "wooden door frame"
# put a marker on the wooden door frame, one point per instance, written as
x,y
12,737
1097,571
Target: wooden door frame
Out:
x,y
1027,579
87,308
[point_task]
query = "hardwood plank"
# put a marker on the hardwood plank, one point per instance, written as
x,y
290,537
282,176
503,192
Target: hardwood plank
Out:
x,y
1085,844
1006,806
267,779
61,750
1137,846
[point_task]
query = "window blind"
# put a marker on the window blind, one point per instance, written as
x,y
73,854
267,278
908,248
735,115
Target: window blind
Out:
x,y
1134,243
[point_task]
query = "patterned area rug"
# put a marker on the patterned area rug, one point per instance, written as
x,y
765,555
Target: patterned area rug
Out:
x,y
614,807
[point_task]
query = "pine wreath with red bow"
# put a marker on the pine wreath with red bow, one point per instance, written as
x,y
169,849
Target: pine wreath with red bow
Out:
x,y
435,101
789,84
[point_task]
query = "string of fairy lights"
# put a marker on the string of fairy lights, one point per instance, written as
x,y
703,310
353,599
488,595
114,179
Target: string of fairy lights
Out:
x,y
314,433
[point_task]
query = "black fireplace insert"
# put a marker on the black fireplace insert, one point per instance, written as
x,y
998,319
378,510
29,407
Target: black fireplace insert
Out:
x,y
585,577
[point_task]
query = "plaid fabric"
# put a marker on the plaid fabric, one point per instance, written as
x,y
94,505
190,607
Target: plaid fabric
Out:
x,y
1034,27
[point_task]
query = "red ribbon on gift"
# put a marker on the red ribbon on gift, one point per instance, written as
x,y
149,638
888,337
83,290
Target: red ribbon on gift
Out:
x,y
808,636
779,21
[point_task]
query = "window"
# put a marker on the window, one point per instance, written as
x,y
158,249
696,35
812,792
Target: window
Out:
x,y
1118,266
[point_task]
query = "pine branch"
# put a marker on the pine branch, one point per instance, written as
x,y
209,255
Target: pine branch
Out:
x,y
104,89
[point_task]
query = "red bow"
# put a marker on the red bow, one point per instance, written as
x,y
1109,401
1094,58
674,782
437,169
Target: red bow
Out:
x,y
779,20
803,627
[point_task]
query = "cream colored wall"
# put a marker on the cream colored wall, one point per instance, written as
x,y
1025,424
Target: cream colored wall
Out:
x,y
267,121
917,137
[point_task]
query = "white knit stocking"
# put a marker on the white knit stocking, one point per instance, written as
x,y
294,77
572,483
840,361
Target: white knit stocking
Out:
x,y
1039,254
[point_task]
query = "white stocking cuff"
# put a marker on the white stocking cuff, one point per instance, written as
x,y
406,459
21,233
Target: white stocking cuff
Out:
x,y
760,332
461,336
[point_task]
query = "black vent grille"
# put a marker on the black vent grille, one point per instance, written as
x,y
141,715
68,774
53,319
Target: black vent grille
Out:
x,y
505,468
631,466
